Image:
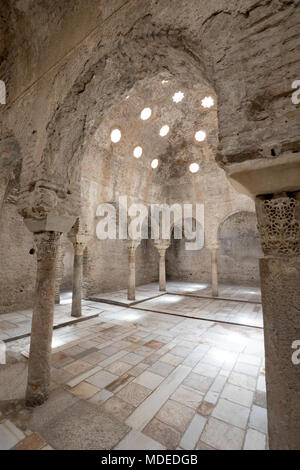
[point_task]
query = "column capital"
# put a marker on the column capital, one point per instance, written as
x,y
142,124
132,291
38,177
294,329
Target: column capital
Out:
x,y
47,244
50,223
79,248
213,247
132,244
279,224
79,236
162,246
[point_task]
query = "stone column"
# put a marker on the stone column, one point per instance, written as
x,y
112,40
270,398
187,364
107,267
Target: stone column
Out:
x,y
42,320
131,246
279,227
47,232
162,247
79,237
59,272
77,279
214,270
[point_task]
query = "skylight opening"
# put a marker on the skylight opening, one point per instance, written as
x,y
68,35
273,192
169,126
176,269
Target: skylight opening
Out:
x,y
200,136
154,163
194,167
146,114
178,97
164,131
115,136
138,152
207,102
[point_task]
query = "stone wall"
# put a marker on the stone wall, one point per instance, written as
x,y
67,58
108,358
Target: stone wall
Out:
x,y
18,267
239,249
244,51
106,265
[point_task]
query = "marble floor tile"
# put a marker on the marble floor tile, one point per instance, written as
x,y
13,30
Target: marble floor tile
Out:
x,y
260,399
205,408
134,394
176,415
118,368
101,379
222,436
118,408
198,382
231,413
171,359
76,380
254,440
147,410
132,358
101,396
7,438
137,441
161,368
193,433
242,380
258,419
149,380
188,396
77,367
31,442
85,390
248,369
207,370
238,395
163,433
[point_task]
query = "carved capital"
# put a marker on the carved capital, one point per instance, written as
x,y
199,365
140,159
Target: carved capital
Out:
x,y
132,246
47,244
79,248
79,236
162,246
279,224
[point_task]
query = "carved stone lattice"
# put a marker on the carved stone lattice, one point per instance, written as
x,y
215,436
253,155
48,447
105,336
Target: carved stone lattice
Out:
x,y
279,225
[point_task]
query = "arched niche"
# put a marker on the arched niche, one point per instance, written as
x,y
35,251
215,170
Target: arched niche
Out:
x,y
239,249
183,264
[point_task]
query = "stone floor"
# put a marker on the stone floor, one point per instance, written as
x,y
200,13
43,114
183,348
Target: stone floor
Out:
x,y
119,297
226,291
17,324
195,302
242,313
195,289
133,379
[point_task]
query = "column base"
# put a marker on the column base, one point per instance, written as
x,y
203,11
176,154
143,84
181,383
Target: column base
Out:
x,y
35,397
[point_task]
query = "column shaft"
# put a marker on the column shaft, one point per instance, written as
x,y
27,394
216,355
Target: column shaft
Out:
x,y
131,274
77,283
280,283
162,271
214,272
59,272
42,320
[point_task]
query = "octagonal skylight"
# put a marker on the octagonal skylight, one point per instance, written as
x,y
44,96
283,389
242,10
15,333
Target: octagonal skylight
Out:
x,y
115,135
200,136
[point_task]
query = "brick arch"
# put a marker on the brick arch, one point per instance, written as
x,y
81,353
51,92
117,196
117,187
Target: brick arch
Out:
x,y
104,80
